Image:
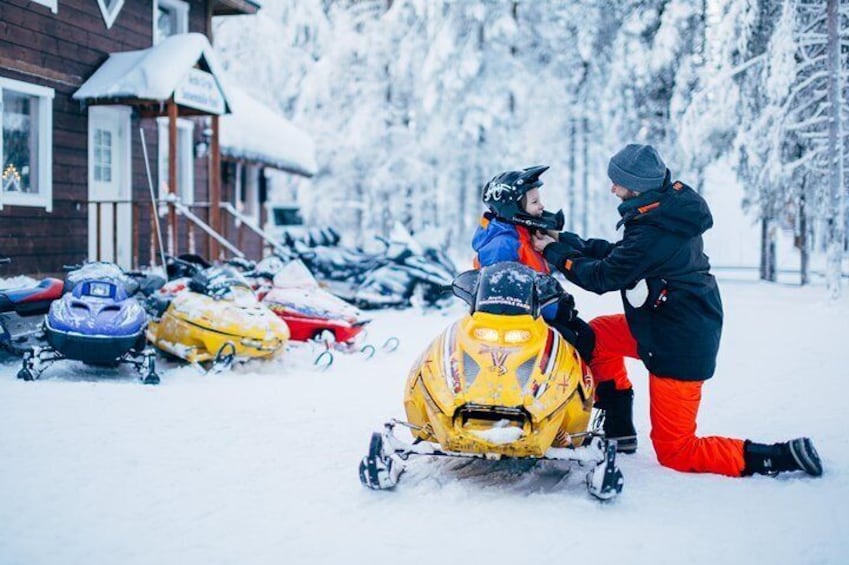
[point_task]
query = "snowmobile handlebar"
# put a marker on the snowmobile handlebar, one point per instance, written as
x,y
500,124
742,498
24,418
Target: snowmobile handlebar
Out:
x,y
5,260
136,274
244,265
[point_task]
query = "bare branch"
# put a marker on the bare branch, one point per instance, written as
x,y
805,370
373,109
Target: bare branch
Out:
x,y
807,123
791,166
797,89
820,110
810,62
813,135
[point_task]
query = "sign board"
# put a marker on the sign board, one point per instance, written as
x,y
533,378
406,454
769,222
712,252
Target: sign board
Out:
x,y
200,90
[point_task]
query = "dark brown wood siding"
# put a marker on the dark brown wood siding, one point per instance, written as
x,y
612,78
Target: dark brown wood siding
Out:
x,y
61,51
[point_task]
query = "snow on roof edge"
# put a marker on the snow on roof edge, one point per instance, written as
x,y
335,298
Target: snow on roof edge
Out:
x,y
256,132
237,153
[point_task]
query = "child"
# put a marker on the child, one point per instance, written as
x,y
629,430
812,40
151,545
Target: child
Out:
x,y
505,234
515,209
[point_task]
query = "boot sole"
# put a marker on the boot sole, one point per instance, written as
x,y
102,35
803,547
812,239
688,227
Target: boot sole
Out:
x,y
806,456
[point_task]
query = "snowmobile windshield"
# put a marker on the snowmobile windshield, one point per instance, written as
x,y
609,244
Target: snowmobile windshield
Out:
x,y
102,271
506,289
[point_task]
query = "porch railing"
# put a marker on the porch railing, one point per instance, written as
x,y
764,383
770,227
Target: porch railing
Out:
x,y
250,223
185,211
113,205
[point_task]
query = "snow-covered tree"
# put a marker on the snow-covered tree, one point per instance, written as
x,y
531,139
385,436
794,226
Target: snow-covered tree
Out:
x,y
791,147
415,104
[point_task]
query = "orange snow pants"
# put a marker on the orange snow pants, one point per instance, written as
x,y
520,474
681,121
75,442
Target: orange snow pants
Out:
x,y
674,405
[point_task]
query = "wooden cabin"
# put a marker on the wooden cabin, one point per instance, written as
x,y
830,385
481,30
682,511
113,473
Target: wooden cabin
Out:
x,y
80,81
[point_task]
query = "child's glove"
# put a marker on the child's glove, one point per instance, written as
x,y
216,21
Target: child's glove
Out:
x,y
566,309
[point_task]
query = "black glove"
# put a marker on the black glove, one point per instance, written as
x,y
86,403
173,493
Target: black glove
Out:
x,y
557,253
573,329
566,309
585,337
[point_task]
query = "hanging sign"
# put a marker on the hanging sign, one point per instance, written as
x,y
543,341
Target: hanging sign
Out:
x,y
200,90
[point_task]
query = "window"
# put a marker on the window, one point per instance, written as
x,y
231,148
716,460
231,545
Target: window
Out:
x,y
287,216
185,161
170,17
102,162
26,144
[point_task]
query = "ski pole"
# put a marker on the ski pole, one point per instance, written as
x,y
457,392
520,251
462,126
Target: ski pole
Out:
x,y
152,198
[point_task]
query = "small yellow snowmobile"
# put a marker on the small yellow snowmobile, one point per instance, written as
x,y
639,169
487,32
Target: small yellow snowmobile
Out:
x,y
213,319
499,383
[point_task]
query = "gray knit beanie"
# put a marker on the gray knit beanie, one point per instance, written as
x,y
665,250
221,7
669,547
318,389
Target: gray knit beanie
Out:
x,y
637,167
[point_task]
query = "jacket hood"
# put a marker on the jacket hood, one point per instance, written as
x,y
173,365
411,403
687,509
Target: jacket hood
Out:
x,y
485,234
674,207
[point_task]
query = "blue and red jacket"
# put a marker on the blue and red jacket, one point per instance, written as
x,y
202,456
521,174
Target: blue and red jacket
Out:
x,y
496,241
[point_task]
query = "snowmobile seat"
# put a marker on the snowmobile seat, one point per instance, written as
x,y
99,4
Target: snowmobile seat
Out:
x,y
33,300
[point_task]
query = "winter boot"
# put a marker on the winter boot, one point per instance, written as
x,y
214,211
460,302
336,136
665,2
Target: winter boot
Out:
x,y
618,406
794,455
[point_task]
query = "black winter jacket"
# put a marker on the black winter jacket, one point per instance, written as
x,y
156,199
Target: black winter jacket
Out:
x,y
671,300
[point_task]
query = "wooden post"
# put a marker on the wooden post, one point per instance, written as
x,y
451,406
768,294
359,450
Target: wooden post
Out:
x,y
97,227
154,237
215,189
172,176
134,220
115,231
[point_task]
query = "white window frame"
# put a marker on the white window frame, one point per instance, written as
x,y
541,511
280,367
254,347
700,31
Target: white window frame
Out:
x,y
181,9
52,4
44,197
186,167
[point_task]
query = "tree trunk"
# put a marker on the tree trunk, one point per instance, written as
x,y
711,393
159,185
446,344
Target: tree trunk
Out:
x,y
804,244
767,250
585,171
837,223
461,208
570,187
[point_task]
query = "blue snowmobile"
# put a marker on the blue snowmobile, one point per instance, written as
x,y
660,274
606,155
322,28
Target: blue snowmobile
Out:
x,y
98,322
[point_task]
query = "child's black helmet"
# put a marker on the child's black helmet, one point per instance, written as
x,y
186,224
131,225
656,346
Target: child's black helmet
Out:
x,y
503,192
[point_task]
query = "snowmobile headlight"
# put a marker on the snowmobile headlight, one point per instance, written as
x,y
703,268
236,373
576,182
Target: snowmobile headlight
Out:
x,y
517,336
486,334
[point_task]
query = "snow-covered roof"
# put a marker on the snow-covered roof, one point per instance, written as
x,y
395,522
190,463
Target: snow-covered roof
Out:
x,y
255,132
153,73
235,7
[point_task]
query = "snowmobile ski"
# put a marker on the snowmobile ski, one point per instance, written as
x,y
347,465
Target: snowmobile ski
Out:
x,y
382,468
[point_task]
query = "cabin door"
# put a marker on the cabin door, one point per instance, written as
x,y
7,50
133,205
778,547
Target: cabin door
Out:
x,y
110,210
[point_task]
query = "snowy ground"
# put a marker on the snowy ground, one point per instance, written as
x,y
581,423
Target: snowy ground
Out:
x,y
260,465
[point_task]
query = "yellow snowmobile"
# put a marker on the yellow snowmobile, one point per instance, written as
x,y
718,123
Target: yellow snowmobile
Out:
x,y
499,383
213,319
